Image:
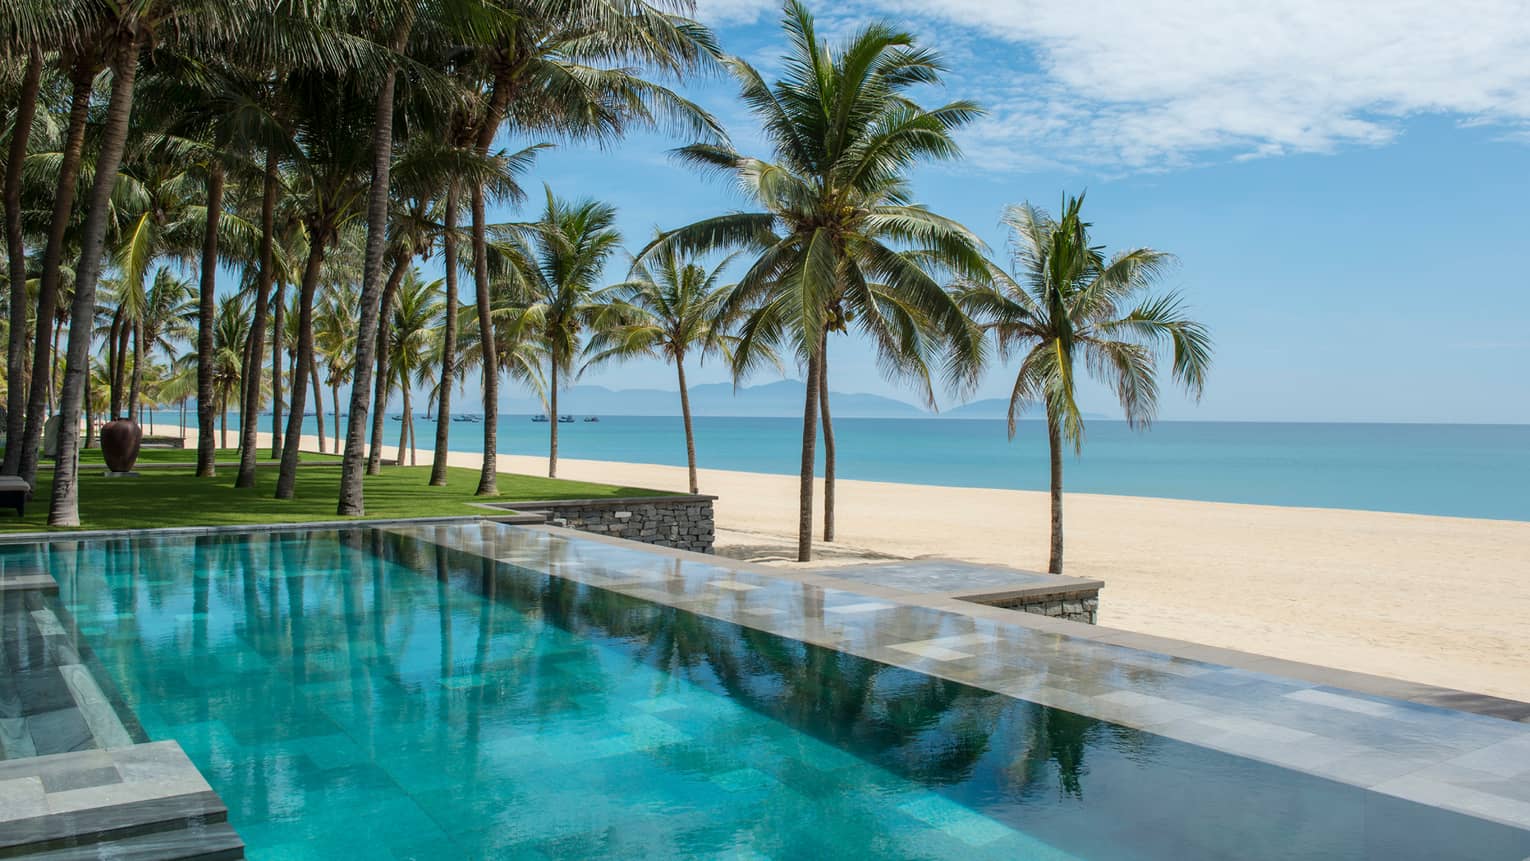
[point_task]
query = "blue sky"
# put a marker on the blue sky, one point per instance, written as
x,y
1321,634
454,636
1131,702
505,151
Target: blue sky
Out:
x,y
1346,190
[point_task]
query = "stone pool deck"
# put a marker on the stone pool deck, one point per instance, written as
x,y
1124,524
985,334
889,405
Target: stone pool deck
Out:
x,y
79,779
1070,598
1398,739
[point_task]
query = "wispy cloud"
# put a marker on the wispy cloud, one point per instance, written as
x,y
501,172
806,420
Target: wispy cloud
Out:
x,y
1129,85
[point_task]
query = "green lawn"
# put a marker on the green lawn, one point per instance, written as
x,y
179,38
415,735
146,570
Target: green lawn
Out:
x,y
173,497
189,455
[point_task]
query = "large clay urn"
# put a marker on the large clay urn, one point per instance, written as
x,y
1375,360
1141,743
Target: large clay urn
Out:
x,y
119,443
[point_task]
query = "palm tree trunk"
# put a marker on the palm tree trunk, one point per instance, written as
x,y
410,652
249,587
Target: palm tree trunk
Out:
x,y
250,411
449,345
58,333
286,480
113,363
685,414
223,423
65,510
206,309
120,375
828,441
278,329
552,426
334,398
384,359
1055,443
488,483
403,426
352,495
40,394
90,417
318,397
16,255
809,459
135,386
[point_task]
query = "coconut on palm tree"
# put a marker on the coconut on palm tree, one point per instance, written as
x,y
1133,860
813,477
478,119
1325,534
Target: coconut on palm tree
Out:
x,y
837,239
1068,310
675,310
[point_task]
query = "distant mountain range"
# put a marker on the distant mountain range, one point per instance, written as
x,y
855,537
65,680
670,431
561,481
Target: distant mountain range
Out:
x,y
783,398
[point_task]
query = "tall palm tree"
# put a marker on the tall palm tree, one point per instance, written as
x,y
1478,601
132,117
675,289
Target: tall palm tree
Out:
x,y
15,245
556,263
231,329
1065,307
675,306
126,29
86,52
837,238
573,69
416,320
334,338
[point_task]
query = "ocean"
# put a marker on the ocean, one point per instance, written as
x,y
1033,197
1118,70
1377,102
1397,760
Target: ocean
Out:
x,y
1453,470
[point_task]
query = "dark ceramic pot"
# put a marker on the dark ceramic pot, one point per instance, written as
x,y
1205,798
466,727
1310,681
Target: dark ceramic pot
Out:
x,y
119,443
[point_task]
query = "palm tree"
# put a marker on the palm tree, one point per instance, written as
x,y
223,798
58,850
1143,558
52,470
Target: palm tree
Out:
x,y
15,246
837,237
334,338
231,329
86,64
675,305
416,319
125,29
574,69
556,263
395,31
1064,301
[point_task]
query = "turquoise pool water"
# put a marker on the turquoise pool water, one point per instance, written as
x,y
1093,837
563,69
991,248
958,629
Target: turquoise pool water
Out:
x,y
358,694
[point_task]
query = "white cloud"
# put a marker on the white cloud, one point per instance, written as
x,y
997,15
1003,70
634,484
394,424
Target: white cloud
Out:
x,y
1139,85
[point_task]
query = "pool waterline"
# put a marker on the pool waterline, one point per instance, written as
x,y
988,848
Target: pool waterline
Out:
x,y
617,659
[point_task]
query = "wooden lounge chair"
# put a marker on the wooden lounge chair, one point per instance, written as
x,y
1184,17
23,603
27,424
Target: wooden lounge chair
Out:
x,y
14,491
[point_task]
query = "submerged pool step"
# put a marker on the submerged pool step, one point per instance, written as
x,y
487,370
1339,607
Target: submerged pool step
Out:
x,y
217,842
143,801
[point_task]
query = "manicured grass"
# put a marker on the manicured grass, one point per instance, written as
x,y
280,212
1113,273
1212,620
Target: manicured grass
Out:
x,y
174,497
189,455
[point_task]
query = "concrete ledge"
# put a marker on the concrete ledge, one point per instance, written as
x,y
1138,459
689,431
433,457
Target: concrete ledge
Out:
x,y
1381,686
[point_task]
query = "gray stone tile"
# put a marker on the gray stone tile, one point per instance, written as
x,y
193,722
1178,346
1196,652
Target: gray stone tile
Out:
x,y
22,797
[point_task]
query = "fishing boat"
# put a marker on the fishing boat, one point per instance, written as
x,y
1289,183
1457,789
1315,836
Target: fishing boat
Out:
x,y
539,418
565,420
592,418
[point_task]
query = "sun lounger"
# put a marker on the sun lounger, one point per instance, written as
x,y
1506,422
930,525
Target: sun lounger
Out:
x,y
14,491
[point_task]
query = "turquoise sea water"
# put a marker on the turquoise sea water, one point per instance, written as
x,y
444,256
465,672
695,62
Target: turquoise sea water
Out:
x,y
1456,470
362,695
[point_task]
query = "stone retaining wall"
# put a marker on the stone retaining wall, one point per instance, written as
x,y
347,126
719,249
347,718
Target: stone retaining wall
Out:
x,y
1076,606
683,522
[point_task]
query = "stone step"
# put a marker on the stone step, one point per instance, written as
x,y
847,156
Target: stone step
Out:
x,y
216,842
100,797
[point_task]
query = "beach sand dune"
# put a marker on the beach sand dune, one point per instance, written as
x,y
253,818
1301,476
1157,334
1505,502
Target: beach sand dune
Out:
x,y
1438,600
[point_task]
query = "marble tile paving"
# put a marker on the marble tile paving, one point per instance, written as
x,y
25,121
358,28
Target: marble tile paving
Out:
x,y
1467,763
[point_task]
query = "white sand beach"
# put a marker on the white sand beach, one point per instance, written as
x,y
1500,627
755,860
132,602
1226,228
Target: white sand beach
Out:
x,y
1438,600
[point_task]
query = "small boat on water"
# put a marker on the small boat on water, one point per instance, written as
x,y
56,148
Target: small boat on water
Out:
x,y
539,418
565,420
460,418
592,418
397,418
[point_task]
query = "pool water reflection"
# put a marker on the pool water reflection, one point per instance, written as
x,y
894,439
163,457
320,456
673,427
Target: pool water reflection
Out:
x,y
363,694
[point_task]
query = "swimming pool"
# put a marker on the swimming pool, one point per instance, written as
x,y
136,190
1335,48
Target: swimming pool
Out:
x,y
476,691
